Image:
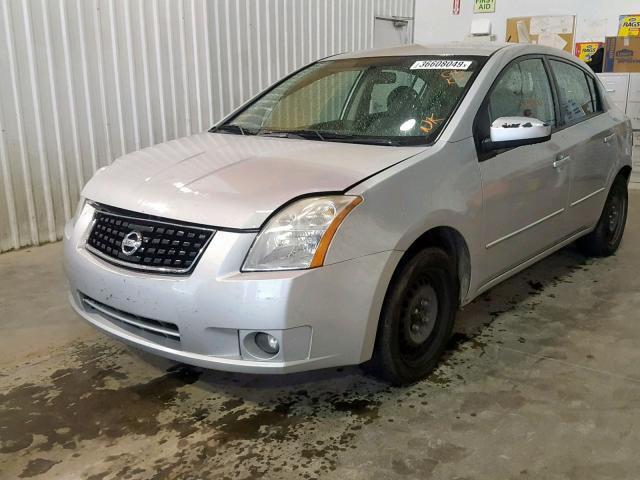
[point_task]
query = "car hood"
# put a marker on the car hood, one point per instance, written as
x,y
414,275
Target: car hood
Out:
x,y
234,181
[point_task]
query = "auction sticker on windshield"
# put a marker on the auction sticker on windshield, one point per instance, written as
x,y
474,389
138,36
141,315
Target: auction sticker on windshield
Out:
x,y
441,65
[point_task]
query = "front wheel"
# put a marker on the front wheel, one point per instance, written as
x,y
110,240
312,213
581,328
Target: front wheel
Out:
x,y
417,318
605,239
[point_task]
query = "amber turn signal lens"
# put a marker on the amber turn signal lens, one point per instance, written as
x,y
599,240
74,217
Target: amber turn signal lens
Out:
x,y
323,246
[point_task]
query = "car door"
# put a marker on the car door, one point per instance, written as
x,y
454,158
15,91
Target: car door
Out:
x,y
525,189
592,141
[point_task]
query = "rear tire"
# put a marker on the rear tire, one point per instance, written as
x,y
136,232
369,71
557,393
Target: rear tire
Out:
x,y
417,318
605,239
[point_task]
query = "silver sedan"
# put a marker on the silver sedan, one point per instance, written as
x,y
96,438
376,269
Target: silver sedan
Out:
x,y
345,214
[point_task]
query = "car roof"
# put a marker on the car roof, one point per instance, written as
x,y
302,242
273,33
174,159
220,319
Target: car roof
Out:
x,y
454,48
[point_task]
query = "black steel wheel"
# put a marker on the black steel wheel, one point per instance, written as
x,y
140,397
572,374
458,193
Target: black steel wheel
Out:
x,y
605,239
417,318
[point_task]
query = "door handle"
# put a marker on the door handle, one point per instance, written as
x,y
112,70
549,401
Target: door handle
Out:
x,y
560,160
608,138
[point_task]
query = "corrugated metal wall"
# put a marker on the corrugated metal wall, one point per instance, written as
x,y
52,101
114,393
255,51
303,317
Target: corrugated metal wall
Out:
x,y
85,81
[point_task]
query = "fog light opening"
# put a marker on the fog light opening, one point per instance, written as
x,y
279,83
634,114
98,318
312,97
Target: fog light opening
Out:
x,y
267,343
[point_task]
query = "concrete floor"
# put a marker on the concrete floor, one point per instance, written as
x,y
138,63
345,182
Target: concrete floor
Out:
x,y
540,381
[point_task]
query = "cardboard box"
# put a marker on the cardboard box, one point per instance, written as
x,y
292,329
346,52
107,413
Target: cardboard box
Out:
x,y
629,26
622,55
584,50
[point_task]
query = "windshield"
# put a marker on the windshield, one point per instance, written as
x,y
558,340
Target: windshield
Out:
x,y
381,100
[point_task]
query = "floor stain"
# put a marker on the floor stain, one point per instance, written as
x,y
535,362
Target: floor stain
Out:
x,y
76,406
37,466
537,286
228,426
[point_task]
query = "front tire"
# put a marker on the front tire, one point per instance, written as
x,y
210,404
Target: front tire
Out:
x,y
417,318
605,239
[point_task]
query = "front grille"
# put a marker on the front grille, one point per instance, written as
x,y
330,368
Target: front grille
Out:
x,y
164,329
150,244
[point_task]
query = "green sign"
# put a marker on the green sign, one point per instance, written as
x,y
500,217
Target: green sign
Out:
x,y
484,6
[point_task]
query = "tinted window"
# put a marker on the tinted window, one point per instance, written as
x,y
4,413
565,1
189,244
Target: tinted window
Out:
x,y
575,97
523,90
324,100
381,91
403,100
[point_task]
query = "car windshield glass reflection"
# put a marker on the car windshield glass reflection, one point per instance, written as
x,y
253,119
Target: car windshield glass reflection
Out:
x,y
382,100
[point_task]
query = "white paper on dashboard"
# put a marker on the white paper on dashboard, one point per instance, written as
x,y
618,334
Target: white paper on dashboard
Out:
x,y
551,24
551,40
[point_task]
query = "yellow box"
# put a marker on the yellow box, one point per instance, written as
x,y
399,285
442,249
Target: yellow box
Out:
x,y
584,50
629,26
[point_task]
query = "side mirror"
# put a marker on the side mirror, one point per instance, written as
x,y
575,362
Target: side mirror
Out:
x,y
510,132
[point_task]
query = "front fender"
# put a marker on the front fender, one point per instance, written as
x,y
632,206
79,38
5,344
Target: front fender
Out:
x,y
439,187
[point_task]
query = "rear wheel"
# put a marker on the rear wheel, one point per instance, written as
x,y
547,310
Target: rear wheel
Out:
x,y
417,318
605,239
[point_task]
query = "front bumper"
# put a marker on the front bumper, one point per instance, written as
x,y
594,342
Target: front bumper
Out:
x,y
322,317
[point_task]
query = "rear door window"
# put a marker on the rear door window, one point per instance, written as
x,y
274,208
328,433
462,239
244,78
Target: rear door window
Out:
x,y
576,101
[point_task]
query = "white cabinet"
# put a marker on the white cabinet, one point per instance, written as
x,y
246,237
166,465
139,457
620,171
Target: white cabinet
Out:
x,y
623,90
634,87
617,87
633,100
633,112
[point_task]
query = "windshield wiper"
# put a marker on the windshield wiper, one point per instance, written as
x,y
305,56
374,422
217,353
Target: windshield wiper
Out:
x,y
306,134
273,133
346,137
232,128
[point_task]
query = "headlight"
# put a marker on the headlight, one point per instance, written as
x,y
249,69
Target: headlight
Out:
x,y
78,211
298,236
